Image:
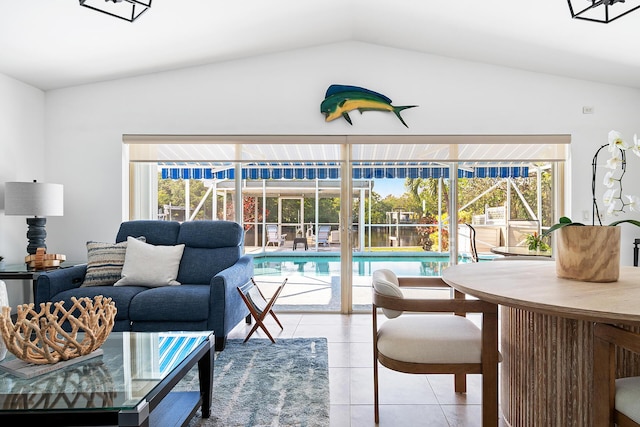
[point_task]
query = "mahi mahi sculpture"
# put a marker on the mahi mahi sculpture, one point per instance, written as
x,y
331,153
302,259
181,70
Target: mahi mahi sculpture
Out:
x,y
340,99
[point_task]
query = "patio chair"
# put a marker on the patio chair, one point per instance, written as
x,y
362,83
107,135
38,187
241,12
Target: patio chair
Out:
x,y
615,400
273,236
428,343
323,234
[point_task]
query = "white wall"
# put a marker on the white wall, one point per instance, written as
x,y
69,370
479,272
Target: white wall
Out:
x,y
281,94
21,159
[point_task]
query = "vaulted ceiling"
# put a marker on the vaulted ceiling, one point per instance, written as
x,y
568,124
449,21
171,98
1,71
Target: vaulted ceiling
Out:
x,y
54,44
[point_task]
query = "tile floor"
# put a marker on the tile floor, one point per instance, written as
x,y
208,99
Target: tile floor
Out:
x,y
405,399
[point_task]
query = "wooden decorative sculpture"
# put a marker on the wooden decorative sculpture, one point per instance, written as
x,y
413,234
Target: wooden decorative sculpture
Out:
x,y
41,260
39,338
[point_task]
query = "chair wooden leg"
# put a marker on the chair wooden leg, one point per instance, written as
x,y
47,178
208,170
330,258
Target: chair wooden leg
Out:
x,y
460,383
490,353
490,415
266,331
253,329
603,381
376,403
263,327
276,319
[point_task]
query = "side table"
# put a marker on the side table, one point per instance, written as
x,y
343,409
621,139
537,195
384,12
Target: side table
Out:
x,y
23,272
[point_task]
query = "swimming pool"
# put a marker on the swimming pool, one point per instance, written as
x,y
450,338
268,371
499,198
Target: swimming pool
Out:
x,y
314,281
363,266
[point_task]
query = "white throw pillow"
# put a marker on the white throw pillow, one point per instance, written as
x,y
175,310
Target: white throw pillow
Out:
x,y
150,265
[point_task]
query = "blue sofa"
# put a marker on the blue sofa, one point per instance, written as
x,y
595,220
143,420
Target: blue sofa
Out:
x,y
211,267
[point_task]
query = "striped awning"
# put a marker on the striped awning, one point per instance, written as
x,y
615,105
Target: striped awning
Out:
x,y
327,171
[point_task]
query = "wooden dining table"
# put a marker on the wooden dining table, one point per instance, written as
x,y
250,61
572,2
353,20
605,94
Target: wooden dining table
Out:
x,y
519,251
547,335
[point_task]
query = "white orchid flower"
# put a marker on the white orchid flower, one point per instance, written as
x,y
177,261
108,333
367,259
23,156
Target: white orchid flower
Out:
x,y
609,180
614,161
634,203
636,145
617,141
609,197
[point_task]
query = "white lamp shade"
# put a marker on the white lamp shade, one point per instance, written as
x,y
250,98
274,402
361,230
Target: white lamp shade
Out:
x,y
33,199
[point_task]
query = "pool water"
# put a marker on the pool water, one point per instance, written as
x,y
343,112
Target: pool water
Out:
x,y
363,266
314,281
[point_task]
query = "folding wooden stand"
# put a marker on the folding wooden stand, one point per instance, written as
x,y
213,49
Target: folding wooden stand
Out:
x,y
259,306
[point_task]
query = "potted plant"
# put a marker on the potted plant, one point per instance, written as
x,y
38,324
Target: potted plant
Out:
x,y
592,252
535,242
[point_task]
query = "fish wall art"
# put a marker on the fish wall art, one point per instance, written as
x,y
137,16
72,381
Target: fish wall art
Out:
x,y
341,99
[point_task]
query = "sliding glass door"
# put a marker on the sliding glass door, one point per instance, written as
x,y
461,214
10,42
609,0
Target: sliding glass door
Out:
x,y
326,211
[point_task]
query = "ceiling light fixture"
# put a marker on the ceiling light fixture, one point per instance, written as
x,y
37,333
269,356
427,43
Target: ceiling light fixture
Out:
x,y
129,10
604,11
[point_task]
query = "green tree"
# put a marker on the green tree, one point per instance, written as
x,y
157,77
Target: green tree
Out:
x,y
172,192
251,205
379,208
425,191
470,188
329,209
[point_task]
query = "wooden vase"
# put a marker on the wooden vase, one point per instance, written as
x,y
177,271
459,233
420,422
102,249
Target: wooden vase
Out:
x,y
590,253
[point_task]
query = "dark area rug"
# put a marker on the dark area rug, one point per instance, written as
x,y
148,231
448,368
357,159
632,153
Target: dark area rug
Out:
x,y
259,383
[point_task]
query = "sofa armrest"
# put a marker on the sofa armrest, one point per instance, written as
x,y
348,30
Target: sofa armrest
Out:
x,y
53,282
227,308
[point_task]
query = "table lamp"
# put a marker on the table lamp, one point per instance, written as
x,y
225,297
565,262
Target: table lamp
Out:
x,y
35,199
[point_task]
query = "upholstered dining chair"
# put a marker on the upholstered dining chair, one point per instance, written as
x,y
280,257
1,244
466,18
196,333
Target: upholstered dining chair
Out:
x,y
615,401
443,343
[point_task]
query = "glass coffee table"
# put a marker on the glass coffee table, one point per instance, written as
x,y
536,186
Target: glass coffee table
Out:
x,y
130,384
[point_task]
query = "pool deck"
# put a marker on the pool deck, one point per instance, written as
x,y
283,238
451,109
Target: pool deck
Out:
x,y
287,246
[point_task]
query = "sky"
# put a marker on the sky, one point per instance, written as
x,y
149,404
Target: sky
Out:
x,y
386,186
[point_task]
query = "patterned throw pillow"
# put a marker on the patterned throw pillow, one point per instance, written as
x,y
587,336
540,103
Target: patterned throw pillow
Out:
x,y
104,262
